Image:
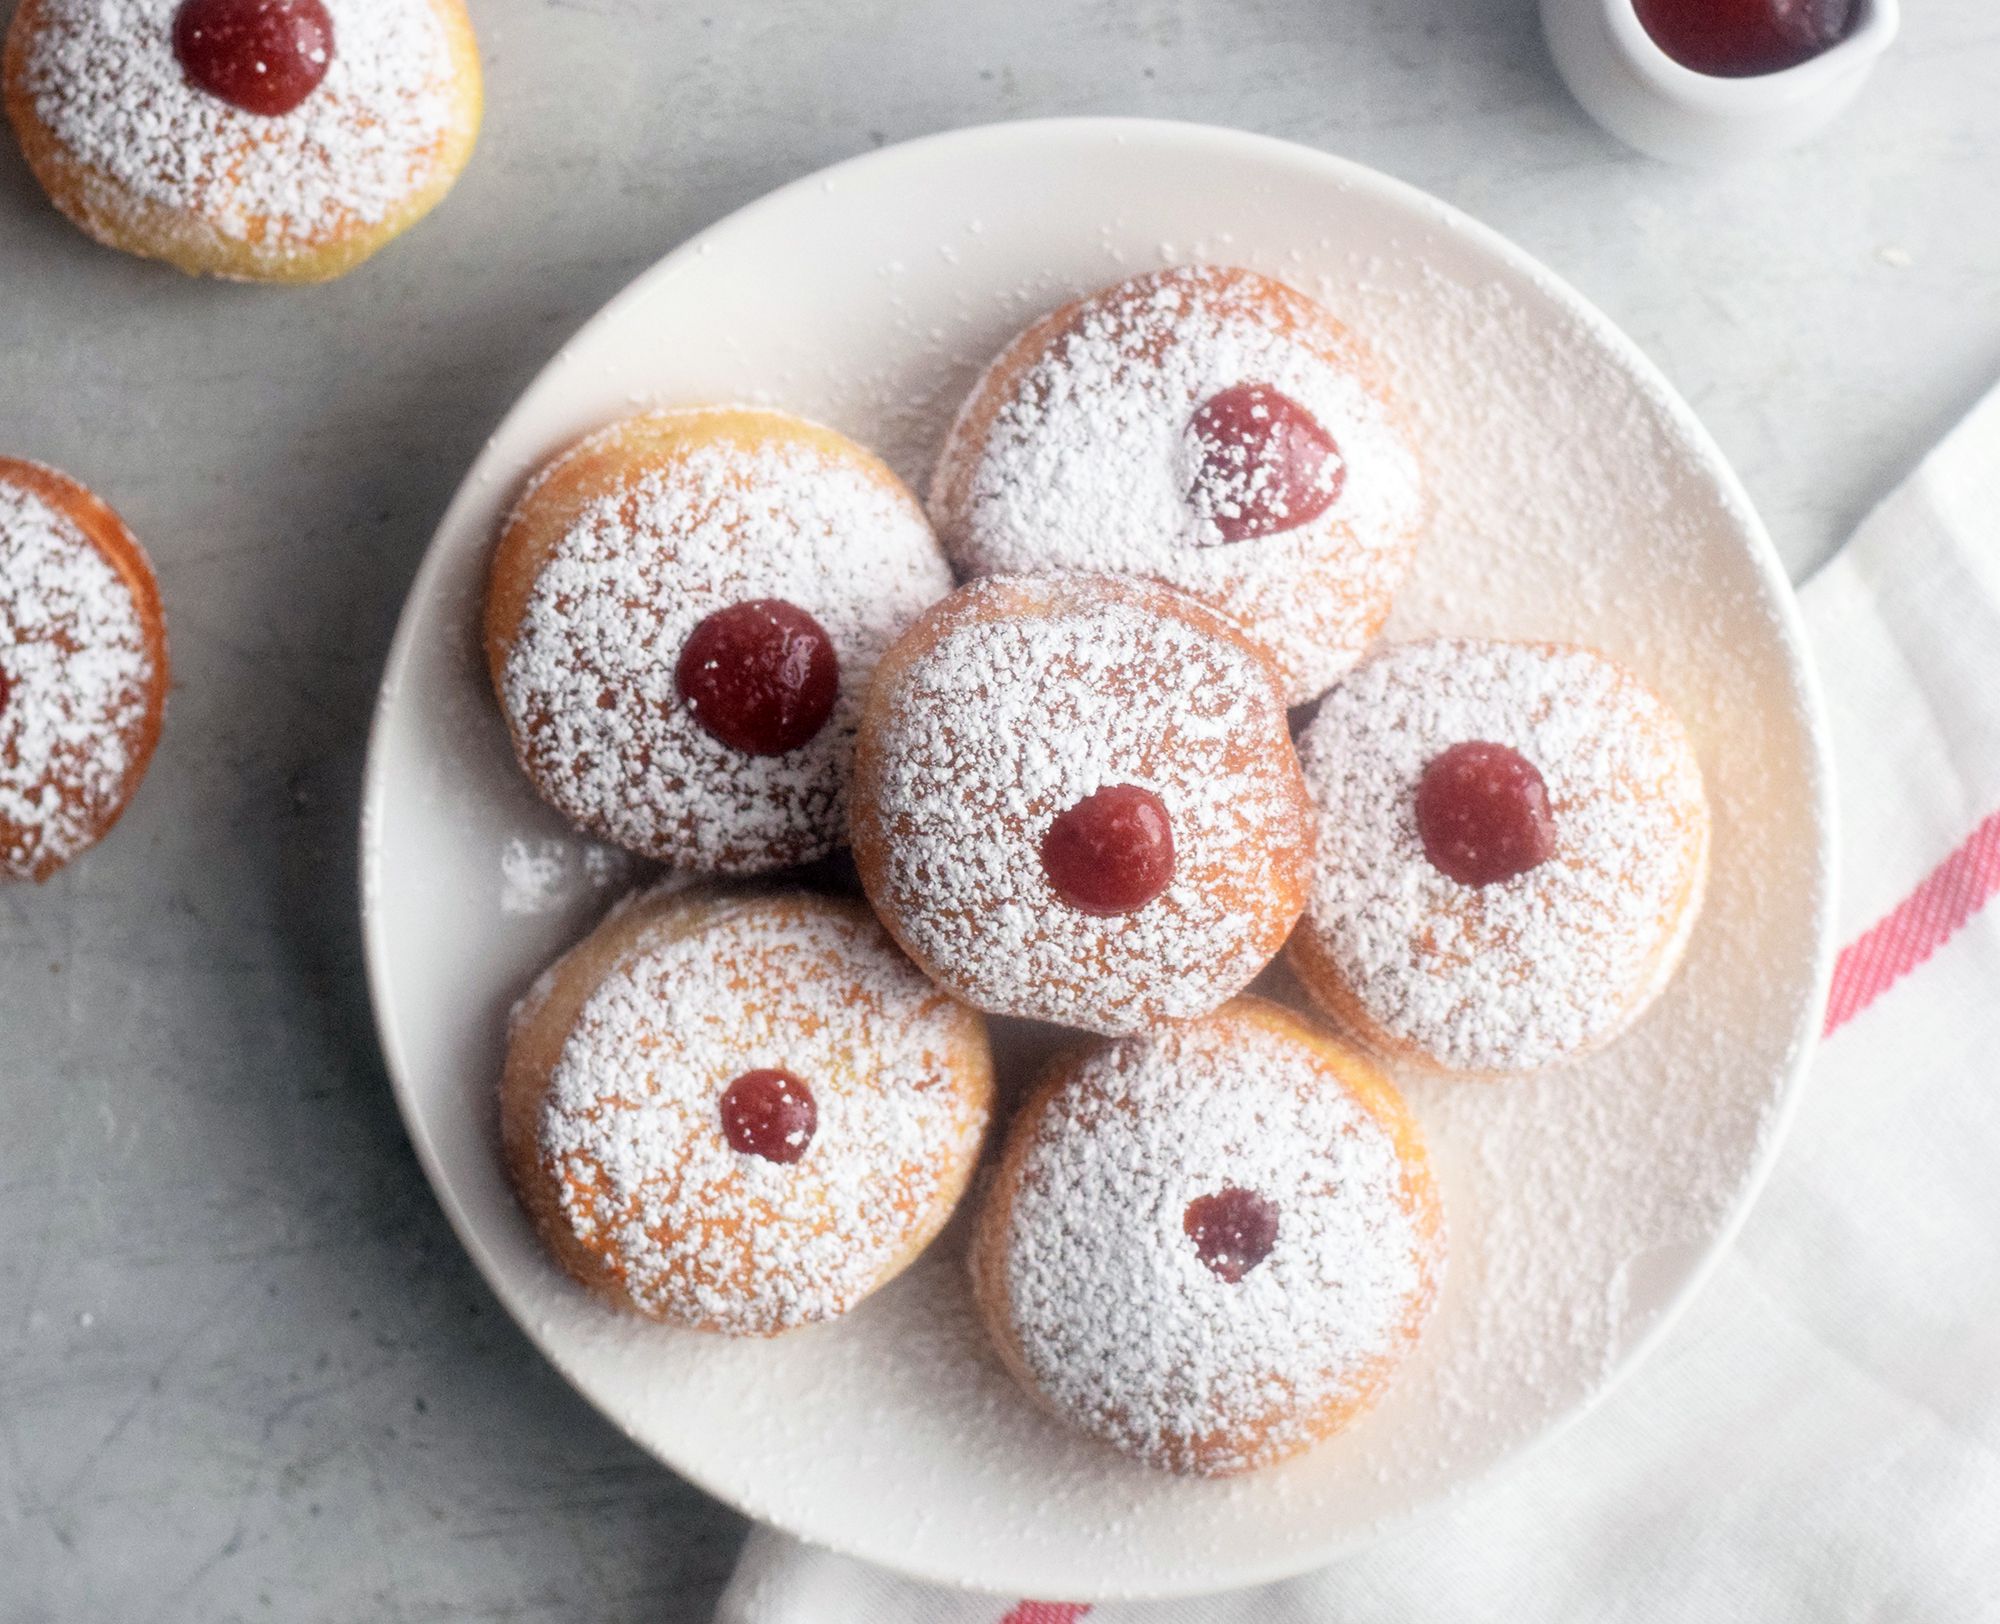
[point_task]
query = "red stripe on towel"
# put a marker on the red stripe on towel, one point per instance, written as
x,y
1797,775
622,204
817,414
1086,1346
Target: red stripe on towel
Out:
x,y
1916,928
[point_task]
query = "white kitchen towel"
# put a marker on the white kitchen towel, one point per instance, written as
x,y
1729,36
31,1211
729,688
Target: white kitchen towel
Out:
x,y
1820,1437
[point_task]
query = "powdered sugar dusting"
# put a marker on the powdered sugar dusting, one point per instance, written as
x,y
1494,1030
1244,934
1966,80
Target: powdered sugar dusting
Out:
x,y
1548,964
1122,1326
1250,484
545,875
632,1124
1007,723
105,80
1090,464
589,684
74,677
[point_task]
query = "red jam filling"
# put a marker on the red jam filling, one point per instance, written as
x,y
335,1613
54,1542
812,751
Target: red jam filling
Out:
x,y
1739,39
1265,463
1483,813
6,693
1111,853
760,676
770,1114
264,56
1233,1230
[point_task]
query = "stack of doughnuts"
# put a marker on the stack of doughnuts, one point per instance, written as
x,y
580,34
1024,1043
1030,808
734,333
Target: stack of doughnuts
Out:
x,y
1050,715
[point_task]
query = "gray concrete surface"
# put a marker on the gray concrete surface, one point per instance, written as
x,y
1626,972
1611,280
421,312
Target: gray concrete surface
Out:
x,y
245,1371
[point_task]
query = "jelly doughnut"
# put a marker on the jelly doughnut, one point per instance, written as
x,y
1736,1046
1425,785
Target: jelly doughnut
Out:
x,y
1076,799
83,669
1209,428
1513,842
681,620
261,140
1210,1245
741,1113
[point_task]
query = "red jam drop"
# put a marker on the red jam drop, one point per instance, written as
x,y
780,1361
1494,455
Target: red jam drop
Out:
x,y
1233,1230
1739,39
1266,464
1111,853
1483,813
6,693
264,56
770,1114
760,676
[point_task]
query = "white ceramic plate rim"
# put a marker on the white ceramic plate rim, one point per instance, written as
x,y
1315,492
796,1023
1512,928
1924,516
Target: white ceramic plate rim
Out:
x,y
1252,150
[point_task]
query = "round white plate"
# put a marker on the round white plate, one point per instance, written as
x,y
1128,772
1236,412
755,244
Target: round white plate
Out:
x,y
1576,498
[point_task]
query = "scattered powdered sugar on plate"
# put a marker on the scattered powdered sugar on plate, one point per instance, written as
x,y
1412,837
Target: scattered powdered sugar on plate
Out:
x,y
1123,1327
1514,975
1008,722
589,683
105,80
632,1122
1090,464
1582,1196
74,675
546,875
